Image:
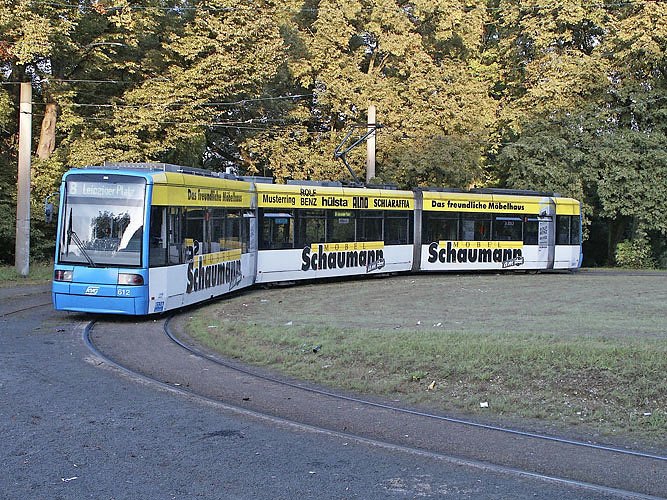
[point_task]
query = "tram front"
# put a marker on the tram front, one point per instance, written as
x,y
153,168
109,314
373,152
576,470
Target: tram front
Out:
x,y
101,251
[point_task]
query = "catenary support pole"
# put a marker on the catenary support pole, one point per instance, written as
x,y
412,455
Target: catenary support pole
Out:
x,y
22,255
370,145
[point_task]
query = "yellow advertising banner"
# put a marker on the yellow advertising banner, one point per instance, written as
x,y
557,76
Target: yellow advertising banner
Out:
x,y
190,196
567,206
348,247
481,244
177,190
469,202
316,197
217,257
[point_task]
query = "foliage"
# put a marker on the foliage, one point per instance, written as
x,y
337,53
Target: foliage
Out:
x,y
635,253
40,273
568,96
438,161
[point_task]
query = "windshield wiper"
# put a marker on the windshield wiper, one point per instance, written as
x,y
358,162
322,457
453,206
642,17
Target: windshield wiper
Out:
x,y
73,236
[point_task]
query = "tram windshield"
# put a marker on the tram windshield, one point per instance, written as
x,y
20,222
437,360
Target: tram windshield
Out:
x,y
103,220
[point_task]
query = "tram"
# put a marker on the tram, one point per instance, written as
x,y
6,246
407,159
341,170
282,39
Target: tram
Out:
x,y
139,239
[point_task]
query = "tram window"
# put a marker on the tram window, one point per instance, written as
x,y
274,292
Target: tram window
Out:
x,y
341,226
233,239
194,229
277,230
369,225
310,227
157,245
228,229
397,228
562,230
475,227
575,230
440,227
506,228
176,254
530,230
217,224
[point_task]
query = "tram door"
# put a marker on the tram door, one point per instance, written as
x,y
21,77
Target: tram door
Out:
x,y
176,251
546,238
166,245
250,216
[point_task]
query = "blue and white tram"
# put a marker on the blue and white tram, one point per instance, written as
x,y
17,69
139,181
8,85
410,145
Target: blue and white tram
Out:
x,y
141,238
146,238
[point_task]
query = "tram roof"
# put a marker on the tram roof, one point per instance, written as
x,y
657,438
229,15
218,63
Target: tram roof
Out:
x,y
499,191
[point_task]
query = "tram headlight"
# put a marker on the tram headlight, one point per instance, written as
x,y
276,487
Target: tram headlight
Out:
x,y
60,275
130,279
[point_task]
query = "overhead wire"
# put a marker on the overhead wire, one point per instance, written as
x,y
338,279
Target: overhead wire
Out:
x,y
277,129
276,98
245,125
185,104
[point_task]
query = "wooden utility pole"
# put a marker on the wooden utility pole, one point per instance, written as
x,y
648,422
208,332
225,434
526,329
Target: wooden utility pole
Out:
x,y
22,253
370,145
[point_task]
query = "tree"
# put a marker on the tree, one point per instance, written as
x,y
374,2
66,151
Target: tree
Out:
x,y
224,52
585,108
566,96
414,61
65,51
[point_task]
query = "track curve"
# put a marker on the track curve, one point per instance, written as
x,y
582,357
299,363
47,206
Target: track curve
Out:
x,y
161,359
408,411
15,300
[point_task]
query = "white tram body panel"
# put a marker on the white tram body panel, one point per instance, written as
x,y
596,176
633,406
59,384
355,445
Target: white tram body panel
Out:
x,y
481,256
326,261
185,284
568,257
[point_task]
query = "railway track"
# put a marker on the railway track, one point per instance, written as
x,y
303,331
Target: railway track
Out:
x,y
614,471
16,304
398,409
17,311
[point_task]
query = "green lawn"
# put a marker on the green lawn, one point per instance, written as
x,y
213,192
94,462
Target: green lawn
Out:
x,y
567,349
39,273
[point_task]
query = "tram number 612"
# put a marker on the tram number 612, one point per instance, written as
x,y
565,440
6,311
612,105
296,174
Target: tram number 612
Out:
x,y
123,291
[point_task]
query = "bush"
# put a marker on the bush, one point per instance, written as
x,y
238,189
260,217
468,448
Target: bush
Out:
x,y
635,253
662,261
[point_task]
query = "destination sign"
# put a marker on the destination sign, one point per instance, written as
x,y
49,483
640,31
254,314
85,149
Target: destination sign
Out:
x,y
134,191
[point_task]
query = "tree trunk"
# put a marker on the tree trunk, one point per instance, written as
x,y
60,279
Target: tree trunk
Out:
x,y
47,137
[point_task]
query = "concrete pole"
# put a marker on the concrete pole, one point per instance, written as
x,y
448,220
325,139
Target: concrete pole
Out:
x,y
370,145
22,255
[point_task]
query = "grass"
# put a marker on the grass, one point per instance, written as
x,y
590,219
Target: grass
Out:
x,y
584,350
40,273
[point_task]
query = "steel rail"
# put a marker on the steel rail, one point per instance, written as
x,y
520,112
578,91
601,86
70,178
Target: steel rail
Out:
x,y
469,423
362,440
16,311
